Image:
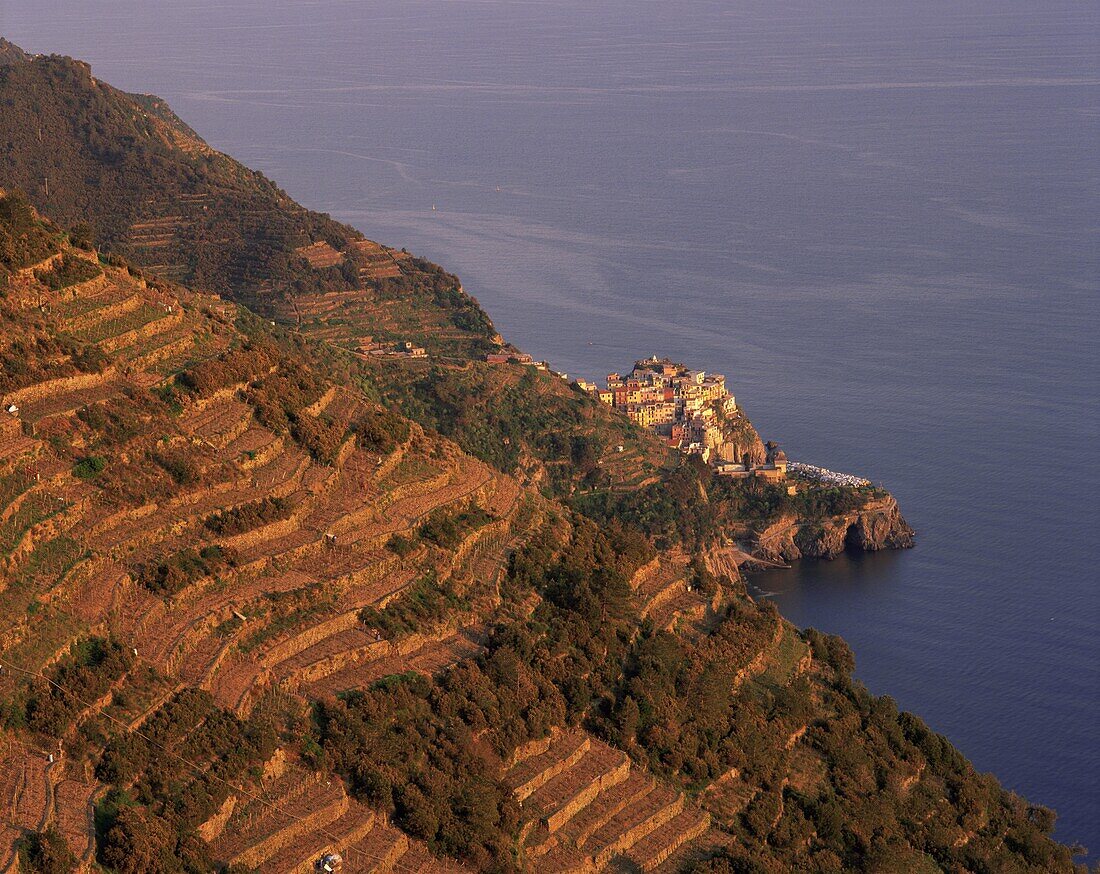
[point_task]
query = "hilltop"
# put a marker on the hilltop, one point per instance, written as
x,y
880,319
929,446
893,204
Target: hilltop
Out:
x,y
264,598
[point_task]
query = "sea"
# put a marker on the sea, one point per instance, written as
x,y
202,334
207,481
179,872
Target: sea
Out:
x,y
880,220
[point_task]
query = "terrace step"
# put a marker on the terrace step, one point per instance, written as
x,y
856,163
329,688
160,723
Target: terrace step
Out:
x,y
634,823
531,773
563,797
690,604
88,312
164,349
428,659
75,816
219,424
378,852
664,584
661,843
68,402
708,844
329,655
606,806
299,858
286,824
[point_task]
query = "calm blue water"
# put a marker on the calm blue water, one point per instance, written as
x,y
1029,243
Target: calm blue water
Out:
x,y
879,220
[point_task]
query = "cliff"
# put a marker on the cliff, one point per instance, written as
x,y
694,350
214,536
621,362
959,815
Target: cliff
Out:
x,y
878,524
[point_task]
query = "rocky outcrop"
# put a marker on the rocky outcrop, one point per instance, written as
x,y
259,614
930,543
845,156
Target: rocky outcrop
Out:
x,y
877,525
881,526
743,439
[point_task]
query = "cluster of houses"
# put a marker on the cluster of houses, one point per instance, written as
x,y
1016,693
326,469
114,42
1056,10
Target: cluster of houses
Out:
x,y
685,407
689,409
399,349
516,357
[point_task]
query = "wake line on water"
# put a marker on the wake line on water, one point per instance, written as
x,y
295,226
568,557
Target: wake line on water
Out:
x,y
527,90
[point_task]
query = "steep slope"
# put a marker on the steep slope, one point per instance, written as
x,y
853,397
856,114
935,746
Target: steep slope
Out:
x,y
178,482
127,173
131,176
204,531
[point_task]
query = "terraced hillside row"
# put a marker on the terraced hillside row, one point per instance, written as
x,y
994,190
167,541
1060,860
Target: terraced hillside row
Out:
x,y
585,807
388,296
296,816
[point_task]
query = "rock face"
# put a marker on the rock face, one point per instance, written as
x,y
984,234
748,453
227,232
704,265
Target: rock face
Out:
x,y
881,526
877,525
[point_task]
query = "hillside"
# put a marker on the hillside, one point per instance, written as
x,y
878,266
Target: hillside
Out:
x,y
128,175
125,172
250,616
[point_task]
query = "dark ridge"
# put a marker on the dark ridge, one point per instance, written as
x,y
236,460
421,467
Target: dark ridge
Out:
x,y
10,53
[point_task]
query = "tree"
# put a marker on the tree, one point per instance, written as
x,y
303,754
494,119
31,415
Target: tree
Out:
x,y
47,853
138,843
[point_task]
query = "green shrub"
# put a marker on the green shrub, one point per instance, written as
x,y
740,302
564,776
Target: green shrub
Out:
x,y
89,467
236,366
172,574
447,529
425,603
46,852
180,464
381,431
249,516
80,677
70,270
401,545
24,238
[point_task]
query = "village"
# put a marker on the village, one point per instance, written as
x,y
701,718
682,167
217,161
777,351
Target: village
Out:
x,y
689,409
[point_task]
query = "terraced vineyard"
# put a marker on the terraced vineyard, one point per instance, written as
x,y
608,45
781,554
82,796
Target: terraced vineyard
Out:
x,y
296,817
283,614
585,807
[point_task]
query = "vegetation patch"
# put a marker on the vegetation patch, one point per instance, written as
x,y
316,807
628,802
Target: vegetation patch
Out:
x,y
89,467
25,239
79,679
320,436
249,516
379,430
158,797
69,270
179,463
176,572
236,366
408,746
287,610
448,529
37,508
423,605
46,852
35,357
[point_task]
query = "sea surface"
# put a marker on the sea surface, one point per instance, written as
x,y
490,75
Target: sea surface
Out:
x,y
879,220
